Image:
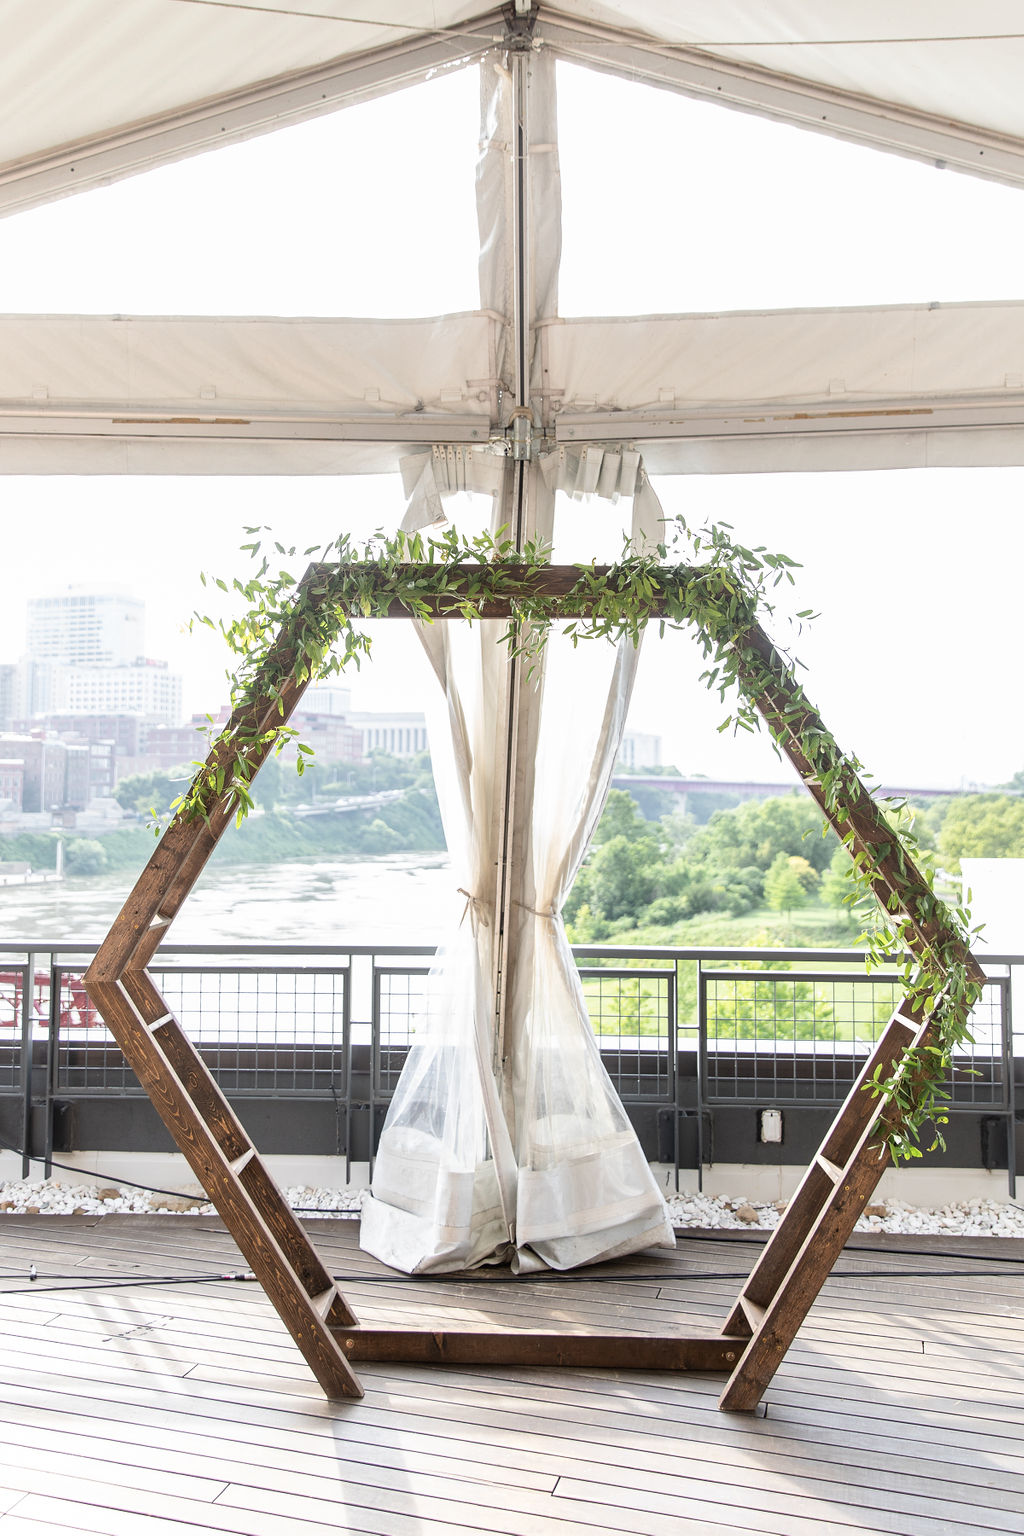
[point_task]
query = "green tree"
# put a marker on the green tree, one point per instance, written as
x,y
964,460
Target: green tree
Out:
x,y
807,875
378,837
85,856
758,831
982,827
837,886
783,887
622,818
143,792
622,877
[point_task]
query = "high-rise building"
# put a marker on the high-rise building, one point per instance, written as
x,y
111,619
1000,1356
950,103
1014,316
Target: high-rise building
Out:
x,y
640,749
81,626
85,656
142,687
44,770
402,733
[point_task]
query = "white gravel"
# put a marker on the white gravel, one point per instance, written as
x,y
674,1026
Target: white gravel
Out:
x,y
969,1218
972,1218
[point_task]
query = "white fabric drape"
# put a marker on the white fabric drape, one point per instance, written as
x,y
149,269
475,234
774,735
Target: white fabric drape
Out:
x,y
517,1148
585,1190
444,1181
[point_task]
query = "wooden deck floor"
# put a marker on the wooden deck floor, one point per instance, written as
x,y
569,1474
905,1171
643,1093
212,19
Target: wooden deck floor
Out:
x,y
178,1409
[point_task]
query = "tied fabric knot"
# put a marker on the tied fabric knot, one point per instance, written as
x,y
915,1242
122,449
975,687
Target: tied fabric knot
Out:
x,y
549,912
476,910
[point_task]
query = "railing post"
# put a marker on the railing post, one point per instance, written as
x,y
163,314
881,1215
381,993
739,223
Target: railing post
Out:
x,y
673,1052
346,1056
1006,1031
702,1066
374,1067
27,995
52,1059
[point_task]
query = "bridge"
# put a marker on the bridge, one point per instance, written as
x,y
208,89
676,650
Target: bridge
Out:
x,y
349,803
753,789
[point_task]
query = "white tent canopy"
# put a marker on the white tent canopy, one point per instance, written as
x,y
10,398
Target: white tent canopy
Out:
x,y
90,93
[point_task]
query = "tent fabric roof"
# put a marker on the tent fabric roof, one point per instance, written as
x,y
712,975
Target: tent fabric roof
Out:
x,y
91,92
91,67
844,388
952,59
81,70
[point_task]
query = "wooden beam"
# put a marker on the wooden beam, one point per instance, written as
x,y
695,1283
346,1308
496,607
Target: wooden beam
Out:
x,y
600,1351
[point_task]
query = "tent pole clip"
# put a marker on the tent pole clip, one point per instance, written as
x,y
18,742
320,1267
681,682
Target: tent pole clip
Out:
x,y
520,20
520,433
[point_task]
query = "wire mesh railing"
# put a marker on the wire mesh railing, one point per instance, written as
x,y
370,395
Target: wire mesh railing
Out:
x,y
281,1031
682,1032
633,1014
785,1037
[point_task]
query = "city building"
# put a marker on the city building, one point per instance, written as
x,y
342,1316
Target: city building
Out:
x,y
142,687
172,746
10,694
85,655
126,733
640,749
12,782
81,626
327,699
333,738
44,764
401,733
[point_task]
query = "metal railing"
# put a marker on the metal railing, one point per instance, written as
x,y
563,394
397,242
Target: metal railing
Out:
x,y
683,1032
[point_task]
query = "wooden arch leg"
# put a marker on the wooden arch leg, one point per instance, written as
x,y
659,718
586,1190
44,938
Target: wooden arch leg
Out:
x,y
799,1256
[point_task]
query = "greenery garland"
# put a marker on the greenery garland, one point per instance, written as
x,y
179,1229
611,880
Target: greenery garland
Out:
x,y
292,631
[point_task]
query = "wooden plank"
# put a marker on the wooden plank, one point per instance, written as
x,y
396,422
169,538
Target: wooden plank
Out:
x,y
162,1444
666,1352
197,1447
656,1426
182,1517
21,1458
776,1511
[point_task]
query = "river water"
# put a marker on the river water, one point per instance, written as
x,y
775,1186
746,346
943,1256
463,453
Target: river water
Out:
x,y
392,899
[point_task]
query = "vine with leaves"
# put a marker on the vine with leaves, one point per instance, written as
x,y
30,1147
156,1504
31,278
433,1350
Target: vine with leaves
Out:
x,y
293,630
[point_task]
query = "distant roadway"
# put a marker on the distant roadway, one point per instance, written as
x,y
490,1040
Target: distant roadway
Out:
x,y
751,789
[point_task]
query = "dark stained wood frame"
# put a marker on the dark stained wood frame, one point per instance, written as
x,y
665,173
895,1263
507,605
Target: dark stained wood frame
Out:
x,y
791,1268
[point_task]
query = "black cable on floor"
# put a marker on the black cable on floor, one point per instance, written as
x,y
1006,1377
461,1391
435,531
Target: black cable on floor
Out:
x,y
97,1283
704,1236
117,1283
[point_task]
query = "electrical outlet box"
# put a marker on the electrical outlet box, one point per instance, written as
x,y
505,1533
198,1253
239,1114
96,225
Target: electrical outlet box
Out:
x,y
770,1125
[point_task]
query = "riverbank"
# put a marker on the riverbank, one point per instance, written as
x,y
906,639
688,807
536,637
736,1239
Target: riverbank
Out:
x,y
386,898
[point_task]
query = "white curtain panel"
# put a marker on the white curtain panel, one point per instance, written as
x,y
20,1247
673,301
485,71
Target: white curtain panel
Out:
x,y
443,1195
516,1150
585,1190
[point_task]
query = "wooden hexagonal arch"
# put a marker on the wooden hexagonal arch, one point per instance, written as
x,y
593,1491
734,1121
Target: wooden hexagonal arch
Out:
x,y
836,1186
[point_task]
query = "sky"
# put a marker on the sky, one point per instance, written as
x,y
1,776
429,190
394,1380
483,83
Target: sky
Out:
x,y
686,207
